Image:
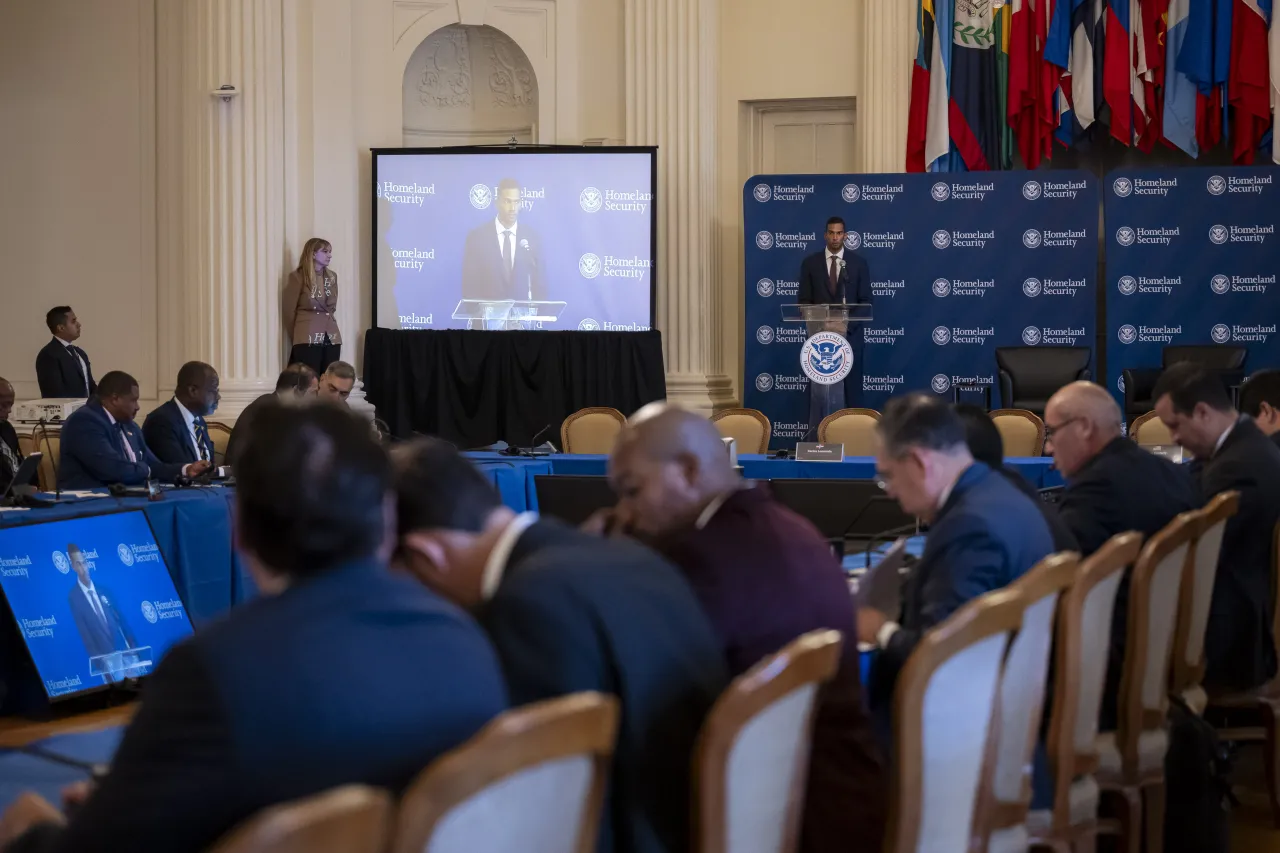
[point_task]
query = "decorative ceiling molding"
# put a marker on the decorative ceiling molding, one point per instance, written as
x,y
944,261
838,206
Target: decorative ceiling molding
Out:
x,y
406,13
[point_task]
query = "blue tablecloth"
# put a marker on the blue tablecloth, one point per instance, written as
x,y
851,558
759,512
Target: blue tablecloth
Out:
x,y
20,772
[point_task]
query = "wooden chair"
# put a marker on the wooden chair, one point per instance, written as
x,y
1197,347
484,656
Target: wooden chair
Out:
x,y
1148,430
1131,759
943,706
751,763
351,819
26,444
1261,703
1082,641
592,430
749,427
220,435
1022,431
1006,789
1197,594
532,780
51,447
854,428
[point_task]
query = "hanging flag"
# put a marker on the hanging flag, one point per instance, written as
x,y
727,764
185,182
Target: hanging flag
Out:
x,y
1249,86
1206,59
918,116
1058,55
1004,23
1274,53
1088,57
1179,89
1029,102
938,155
975,124
1118,69
1151,37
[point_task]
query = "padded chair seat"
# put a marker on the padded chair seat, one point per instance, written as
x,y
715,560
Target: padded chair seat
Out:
x,y
1083,798
1152,747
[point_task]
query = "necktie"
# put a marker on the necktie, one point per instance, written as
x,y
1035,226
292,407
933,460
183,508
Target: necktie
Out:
x,y
506,252
202,439
835,274
128,448
97,605
10,458
80,362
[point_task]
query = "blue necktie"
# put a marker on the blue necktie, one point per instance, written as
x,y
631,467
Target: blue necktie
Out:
x,y
202,439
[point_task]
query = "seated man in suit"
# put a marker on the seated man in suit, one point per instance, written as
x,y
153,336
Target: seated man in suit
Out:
x,y
101,445
342,672
569,611
984,533
295,382
1231,454
987,446
765,576
10,451
337,381
62,368
502,257
176,432
1260,400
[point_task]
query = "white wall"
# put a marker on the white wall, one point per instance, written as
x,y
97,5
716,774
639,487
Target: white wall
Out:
x,y
77,166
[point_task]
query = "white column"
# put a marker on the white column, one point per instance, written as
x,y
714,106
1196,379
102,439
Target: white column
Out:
x,y
884,93
671,85
222,251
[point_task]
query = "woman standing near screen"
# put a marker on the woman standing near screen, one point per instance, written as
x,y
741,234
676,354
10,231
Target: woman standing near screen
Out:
x,y
310,298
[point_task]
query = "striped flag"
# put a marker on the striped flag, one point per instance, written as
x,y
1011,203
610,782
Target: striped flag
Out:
x,y
976,119
1249,86
1088,47
1153,15
1179,89
1206,59
1058,55
938,156
1029,77
918,116
1118,69
1004,24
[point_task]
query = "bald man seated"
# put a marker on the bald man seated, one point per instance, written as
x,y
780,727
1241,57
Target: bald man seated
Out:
x,y
1113,485
764,576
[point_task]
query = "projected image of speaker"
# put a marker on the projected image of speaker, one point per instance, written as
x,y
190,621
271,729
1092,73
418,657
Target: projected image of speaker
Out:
x,y
92,599
552,238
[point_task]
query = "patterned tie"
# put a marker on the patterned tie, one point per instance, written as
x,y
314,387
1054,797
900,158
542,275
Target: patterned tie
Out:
x,y
128,448
202,439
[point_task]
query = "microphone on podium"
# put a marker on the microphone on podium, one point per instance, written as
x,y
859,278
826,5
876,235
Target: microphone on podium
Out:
x,y
533,262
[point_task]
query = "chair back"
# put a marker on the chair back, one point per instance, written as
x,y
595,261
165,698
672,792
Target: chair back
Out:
x,y
26,444
943,705
532,780
1021,431
220,435
1148,430
1082,642
1197,593
854,428
1154,588
592,430
351,819
749,427
1208,357
752,758
1006,789
48,442
1029,376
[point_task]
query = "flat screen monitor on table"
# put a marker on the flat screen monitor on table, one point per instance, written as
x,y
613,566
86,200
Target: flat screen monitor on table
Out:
x,y
550,238
92,598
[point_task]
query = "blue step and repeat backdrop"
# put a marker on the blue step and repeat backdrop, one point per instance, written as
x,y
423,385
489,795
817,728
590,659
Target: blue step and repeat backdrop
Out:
x,y
960,265
1192,257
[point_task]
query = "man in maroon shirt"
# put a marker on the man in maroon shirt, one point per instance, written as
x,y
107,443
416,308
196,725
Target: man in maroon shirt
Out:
x,y
765,576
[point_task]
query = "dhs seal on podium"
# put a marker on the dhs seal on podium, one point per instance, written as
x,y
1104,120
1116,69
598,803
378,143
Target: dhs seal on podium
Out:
x,y
826,358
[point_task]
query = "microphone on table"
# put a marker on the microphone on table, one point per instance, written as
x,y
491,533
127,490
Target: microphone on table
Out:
x,y
529,451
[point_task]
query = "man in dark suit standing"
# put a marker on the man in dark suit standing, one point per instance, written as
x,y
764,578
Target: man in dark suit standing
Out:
x,y
62,368
983,532
1231,454
176,432
835,275
101,444
342,672
502,258
764,576
101,627
1260,400
569,611
10,451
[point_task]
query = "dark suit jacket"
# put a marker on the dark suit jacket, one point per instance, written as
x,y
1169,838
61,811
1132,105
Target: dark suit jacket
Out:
x,y
10,437
1275,438
765,576
58,371
100,638
574,612
244,425
854,285
355,676
485,277
1063,538
987,535
92,456
168,437
1239,648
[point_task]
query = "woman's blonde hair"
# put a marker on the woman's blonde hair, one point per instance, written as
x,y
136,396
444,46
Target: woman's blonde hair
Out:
x,y
307,264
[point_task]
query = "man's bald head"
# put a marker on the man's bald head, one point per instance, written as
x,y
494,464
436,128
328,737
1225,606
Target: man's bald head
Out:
x,y
667,465
1080,420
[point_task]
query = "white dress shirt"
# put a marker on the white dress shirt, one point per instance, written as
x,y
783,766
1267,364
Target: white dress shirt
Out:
x,y
128,448
496,566
501,230
84,369
190,420
1222,439
95,603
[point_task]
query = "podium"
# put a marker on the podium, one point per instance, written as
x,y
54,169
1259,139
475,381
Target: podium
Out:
x,y
126,663
498,314
827,358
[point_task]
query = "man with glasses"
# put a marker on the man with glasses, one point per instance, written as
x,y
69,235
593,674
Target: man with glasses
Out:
x,y
983,532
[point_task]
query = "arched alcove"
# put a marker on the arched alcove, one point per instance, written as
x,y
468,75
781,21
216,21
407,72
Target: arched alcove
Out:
x,y
468,85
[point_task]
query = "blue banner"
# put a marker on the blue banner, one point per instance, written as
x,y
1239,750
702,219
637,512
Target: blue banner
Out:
x,y
958,268
1192,255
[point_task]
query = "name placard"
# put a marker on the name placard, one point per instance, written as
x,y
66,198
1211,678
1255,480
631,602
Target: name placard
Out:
x,y
810,451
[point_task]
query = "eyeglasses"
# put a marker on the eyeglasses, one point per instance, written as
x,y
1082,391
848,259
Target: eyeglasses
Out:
x,y
1051,431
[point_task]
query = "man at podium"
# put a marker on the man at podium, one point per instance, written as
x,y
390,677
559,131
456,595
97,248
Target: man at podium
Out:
x,y
832,276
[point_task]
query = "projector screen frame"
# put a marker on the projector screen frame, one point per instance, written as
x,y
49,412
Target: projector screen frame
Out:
x,y
651,150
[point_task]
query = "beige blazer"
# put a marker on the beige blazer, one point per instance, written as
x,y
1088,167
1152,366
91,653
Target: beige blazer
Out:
x,y
308,317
